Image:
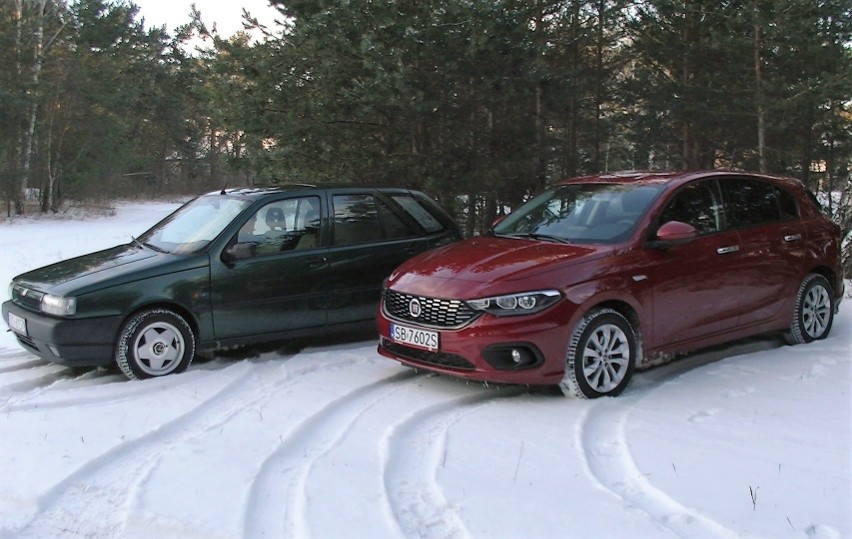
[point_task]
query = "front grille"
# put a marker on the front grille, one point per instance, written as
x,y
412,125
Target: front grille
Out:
x,y
439,359
26,297
441,313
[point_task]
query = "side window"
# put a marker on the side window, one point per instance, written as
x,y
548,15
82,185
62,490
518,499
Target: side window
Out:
x,y
394,227
283,225
753,202
697,205
419,213
356,219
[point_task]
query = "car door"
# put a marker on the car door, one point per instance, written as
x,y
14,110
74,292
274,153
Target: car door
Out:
x,y
772,243
695,286
370,238
272,276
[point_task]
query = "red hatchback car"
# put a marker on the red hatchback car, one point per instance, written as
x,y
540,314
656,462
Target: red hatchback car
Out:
x,y
600,275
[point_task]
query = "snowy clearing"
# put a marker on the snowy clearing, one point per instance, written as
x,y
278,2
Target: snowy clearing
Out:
x,y
752,440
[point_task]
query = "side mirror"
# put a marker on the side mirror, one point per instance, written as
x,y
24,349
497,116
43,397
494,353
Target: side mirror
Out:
x,y
674,233
237,251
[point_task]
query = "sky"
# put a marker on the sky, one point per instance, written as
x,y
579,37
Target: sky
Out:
x,y
227,15
747,441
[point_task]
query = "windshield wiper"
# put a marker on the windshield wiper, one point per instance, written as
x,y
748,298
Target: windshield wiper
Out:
x,y
538,237
139,243
155,248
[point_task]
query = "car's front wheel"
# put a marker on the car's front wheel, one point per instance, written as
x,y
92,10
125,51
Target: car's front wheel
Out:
x,y
814,311
154,342
601,355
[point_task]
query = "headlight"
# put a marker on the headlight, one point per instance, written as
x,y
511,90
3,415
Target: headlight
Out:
x,y
58,306
516,304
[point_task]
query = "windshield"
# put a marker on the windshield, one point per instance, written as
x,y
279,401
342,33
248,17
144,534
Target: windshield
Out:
x,y
194,225
581,213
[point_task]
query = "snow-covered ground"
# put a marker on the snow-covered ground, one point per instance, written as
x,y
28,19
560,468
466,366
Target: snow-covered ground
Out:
x,y
749,440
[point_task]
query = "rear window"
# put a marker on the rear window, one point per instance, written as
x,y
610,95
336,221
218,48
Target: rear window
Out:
x,y
366,218
419,213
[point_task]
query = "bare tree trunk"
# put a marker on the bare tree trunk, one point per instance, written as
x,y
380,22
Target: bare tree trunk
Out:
x,y
540,165
19,139
29,134
685,78
540,141
213,158
573,105
758,85
52,153
599,85
471,214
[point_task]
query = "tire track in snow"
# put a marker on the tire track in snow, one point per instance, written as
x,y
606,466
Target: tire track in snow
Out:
x,y
113,476
17,353
414,452
79,394
602,438
277,502
31,390
23,366
117,475
21,390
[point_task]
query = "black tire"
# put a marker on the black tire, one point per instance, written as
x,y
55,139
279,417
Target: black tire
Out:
x,y
601,355
813,312
153,343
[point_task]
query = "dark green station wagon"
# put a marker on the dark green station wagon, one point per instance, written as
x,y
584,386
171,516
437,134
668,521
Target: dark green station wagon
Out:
x,y
240,266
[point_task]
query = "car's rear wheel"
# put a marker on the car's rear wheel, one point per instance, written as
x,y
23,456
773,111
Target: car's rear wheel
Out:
x,y
154,342
814,311
601,355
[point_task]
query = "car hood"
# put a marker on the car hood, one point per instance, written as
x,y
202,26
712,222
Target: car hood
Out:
x,y
490,265
96,270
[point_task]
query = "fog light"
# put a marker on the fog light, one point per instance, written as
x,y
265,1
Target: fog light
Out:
x,y
54,350
512,356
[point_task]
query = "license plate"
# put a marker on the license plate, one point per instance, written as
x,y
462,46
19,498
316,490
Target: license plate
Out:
x,y
18,324
419,338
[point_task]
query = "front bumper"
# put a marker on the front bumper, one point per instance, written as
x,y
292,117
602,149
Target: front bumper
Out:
x,y
478,350
73,342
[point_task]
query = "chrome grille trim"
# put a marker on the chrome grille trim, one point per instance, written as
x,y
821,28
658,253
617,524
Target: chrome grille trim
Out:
x,y
434,312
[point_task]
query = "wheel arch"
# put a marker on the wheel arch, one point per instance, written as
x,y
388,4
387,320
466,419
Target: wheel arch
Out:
x,y
578,377
830,275
179,310
626,310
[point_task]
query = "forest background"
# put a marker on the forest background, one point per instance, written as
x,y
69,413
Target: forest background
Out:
x,y
480,103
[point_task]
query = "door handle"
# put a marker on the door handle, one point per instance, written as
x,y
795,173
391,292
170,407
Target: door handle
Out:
x,y
728,249
316,262
792,237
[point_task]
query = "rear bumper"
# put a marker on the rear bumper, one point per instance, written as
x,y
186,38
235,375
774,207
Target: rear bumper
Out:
x,y
72,342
